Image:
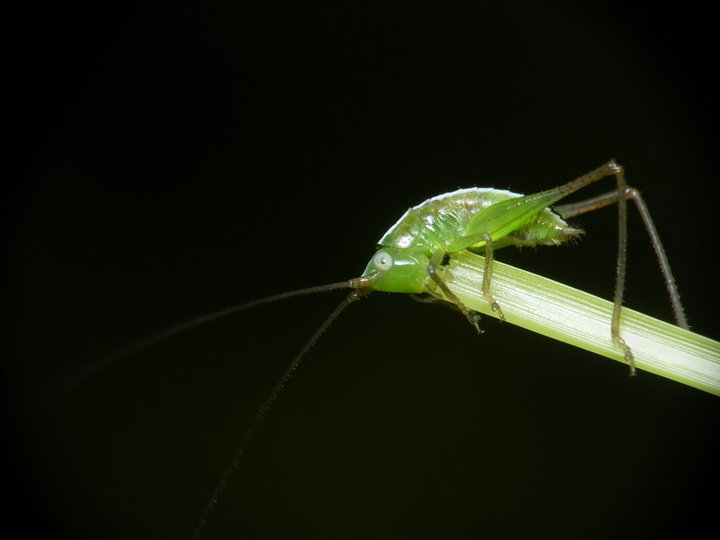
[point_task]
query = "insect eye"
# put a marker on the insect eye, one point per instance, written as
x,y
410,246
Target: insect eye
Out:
x,y
383,261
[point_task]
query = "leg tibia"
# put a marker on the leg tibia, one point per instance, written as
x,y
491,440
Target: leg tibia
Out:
x,y
612,197
433,271
487,276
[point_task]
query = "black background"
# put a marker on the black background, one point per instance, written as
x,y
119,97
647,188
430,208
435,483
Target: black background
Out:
x,y
167,161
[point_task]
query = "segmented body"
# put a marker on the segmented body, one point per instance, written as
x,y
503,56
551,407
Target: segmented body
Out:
x,y
434,224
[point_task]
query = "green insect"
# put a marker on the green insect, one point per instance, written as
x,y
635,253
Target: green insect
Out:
x,y
411,256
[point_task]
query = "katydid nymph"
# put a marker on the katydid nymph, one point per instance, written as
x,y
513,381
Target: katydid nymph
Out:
x,y
411,258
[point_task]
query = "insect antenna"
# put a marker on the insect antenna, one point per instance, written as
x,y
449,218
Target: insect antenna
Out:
x,y
260,415
78,379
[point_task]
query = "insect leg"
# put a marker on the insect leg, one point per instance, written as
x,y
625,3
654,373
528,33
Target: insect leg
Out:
x,y
551,196
435,263
606,199
480,239
501,218
504,217
487,276
615,169
621,269
571,210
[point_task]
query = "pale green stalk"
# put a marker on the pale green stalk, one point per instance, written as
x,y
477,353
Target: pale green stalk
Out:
x,y
581,319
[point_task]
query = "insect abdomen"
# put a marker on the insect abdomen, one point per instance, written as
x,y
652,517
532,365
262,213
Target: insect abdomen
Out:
x,y
436,223
545,229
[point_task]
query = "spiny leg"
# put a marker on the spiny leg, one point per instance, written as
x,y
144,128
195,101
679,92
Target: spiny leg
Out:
x,y
500,219
487,276
615,169
573,209
553,195
621,271
530,205
435,263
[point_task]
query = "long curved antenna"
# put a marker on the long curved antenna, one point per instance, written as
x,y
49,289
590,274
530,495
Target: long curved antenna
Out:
x,y
84,375
260,416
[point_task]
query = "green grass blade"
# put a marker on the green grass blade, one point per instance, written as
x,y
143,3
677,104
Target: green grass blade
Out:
x,y
581,319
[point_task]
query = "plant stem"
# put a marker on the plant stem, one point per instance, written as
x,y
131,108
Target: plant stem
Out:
x,y
581,319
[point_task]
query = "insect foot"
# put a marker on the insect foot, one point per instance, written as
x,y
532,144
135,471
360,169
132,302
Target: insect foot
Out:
x,y
474,318
496,309
627,353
